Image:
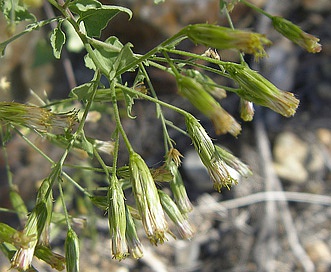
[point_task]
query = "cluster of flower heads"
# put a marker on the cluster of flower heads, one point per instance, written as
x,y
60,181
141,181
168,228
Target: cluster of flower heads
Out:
x,y
253,87
153,206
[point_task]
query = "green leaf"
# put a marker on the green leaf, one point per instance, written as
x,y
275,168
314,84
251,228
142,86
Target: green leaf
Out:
x,y
58,39
125,57
28,29
14,11
95,15
85,144
129,101
111,56
106,55
129,98
82,92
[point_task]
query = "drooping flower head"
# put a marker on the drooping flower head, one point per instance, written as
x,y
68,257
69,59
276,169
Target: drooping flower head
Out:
x,y
72,251
34,227
184,228
206,150
117,219
134,245
296,34
257,89
246,110
192,90
147,200
220,37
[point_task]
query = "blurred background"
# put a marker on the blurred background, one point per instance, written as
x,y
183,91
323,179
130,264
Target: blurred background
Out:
x,y
276,220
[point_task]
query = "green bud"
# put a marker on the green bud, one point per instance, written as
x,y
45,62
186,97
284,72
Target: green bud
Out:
x,y
33,228
133,242
147,200
257,89
296,34
209,157
45,196
226,38
178,189
72,251
233,162
208,84
246,110
53,259
192,90
117,219
201,141
18,204
184,228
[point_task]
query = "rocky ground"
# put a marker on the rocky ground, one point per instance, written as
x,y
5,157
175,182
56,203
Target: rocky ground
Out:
x,y
276,220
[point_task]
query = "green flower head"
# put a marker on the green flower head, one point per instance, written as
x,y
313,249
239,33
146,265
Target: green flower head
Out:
x,y
220,37
117,219
208,154
296,34
147,200
257,89
37,118
192,90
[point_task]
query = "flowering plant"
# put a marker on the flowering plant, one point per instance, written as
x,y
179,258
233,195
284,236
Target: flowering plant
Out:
x,y
63,125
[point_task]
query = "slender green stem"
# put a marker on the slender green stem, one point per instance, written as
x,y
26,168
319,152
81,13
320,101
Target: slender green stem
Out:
x,y
34,146
102,163
58,167
8,210
196,57
27,30
51,161
89,168
76,184
256,8
59,102
228,17
171,64
191,63
5,155
66,216
152,99
170,124
152,52
115,153
166,137
89,103
118,118
197,65
55,4
95,42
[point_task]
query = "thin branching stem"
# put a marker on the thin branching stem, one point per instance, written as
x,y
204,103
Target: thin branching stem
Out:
x,y
118,118
167,140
